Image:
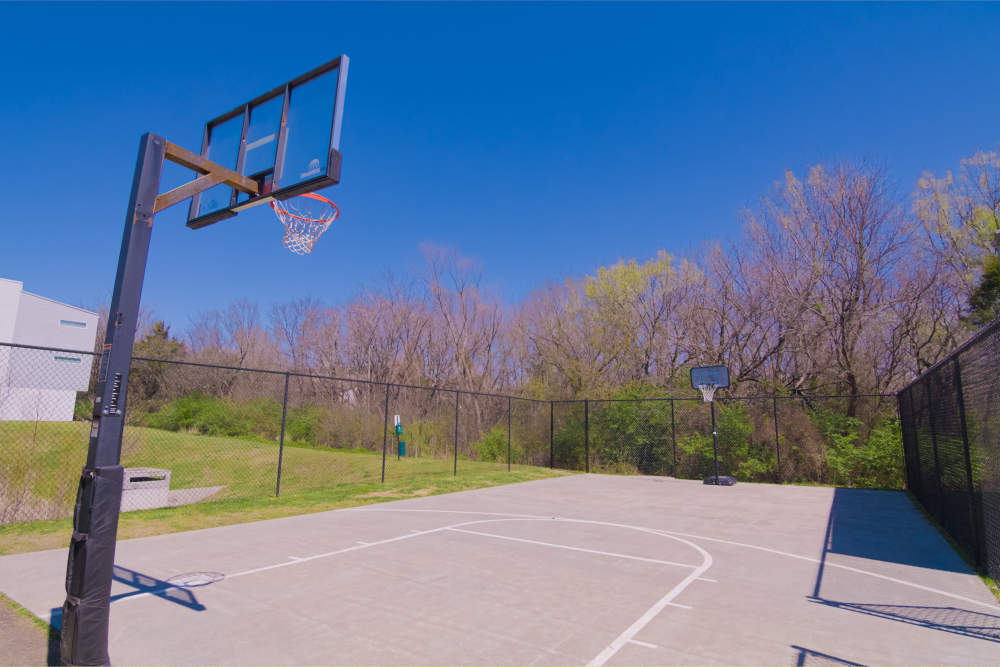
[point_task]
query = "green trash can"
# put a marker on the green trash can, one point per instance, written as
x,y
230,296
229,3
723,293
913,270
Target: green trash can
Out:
x,y
402,448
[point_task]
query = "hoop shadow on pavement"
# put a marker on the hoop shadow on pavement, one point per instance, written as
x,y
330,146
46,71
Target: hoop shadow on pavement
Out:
x,y
803,659
142,583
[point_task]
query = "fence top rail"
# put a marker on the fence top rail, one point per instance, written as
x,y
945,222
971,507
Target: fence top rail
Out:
x,y
799,397
985,332
47,348
336,378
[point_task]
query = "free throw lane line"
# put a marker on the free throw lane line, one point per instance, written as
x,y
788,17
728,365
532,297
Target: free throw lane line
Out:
x,y
569,548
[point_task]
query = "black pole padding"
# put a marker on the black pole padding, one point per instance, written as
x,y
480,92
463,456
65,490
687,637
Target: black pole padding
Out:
x,y
91,560
90,569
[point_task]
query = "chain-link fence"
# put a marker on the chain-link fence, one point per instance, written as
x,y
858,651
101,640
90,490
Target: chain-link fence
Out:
x,y
951,436
842,440
197,431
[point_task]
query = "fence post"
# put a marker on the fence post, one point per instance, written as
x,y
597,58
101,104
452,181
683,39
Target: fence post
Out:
x,y
385,429
918,475
281,438
777,442
586,432
508,433
552,431
973,514
673,435
937,462
455,471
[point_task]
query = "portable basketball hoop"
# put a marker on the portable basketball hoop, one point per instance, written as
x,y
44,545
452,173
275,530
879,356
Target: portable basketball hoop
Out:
x,y
707,379
305,218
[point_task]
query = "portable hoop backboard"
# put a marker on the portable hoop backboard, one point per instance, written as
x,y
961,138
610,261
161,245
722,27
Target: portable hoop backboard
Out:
x,y
287,140
709,378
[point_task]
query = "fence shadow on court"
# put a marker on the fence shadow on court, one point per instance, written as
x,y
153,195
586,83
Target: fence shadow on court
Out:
x,y
954,620
885,526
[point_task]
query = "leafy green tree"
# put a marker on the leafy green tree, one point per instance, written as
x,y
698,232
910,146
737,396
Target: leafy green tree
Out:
x,y
984,302
149,377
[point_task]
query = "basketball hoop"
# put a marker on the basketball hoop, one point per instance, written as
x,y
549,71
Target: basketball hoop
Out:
x,y
305,218
707,391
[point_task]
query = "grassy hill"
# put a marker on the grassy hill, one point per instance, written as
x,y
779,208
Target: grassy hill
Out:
x,y
40,464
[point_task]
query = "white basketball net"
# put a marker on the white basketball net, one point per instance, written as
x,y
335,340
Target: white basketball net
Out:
x,y
305,218
707,391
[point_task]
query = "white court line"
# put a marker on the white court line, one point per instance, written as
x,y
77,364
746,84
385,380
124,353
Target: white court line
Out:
x,y
841,567
679,606
810,559
646,644
651,613
364,543
569,548
294,558
307,558
711,581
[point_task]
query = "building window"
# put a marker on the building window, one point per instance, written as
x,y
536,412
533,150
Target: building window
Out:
x,y
72,360
72,323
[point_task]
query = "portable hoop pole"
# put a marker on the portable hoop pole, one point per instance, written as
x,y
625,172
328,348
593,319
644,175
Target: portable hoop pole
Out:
x,y
98,501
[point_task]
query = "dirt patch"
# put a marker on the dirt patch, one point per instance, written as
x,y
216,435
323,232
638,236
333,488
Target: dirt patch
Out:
x,y
399,494
24,643
381,494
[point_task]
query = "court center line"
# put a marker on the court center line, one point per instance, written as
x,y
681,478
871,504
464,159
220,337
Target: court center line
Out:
x,y
569,548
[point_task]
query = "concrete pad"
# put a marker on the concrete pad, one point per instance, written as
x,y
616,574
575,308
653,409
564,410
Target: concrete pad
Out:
x,y
586,569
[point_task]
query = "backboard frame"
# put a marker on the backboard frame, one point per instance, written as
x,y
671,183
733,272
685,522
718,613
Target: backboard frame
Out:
x,y
265,179
710,375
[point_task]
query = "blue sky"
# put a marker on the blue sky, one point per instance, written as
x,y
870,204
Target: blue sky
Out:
x,y
542,140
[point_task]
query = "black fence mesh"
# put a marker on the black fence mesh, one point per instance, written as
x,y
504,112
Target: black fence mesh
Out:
x,y
850,441
197,432
951,438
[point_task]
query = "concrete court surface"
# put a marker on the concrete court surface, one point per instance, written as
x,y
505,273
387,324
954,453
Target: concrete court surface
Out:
x,y
584,569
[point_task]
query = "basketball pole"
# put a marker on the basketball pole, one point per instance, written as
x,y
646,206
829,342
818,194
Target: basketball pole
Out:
x,y
91,561
90,567
715,441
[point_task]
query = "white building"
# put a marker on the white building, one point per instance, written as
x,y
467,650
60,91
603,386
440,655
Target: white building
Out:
x,y
41,385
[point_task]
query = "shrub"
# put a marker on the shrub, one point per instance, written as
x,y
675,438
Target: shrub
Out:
x,y
874,462
493,446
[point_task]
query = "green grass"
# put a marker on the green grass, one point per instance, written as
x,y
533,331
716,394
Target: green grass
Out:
x,y
42,462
